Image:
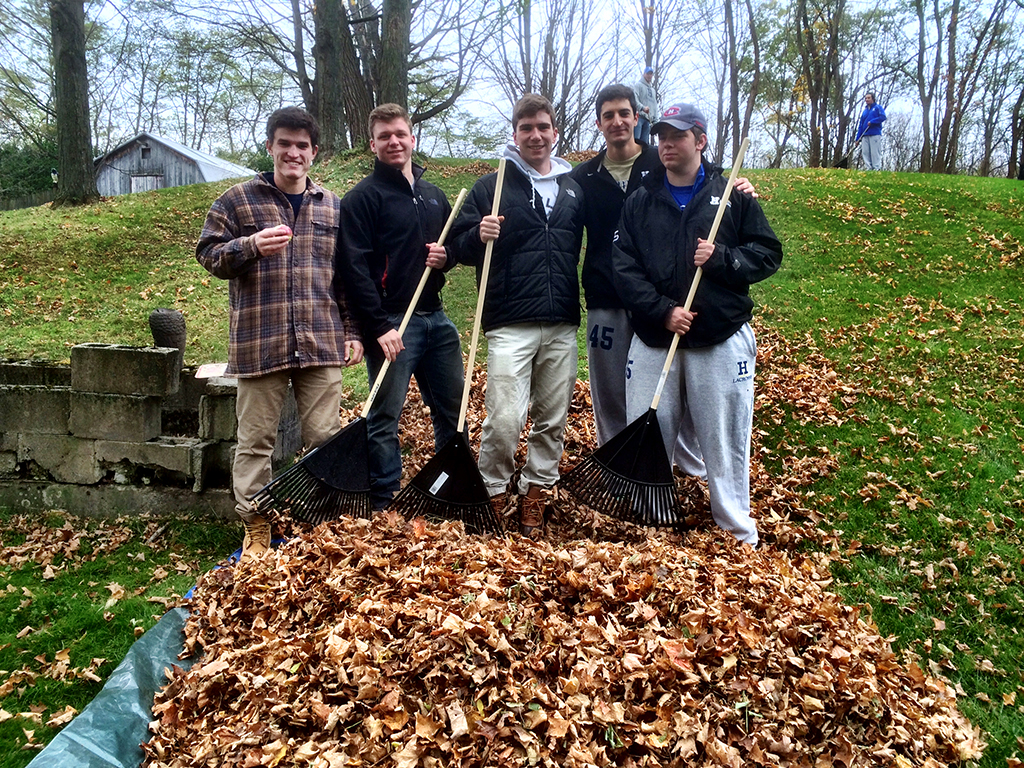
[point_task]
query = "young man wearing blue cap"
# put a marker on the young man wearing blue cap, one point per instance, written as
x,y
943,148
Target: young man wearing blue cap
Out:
x,y
647,105
707,405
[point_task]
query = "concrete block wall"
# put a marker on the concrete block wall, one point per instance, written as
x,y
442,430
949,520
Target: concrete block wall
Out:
x,y
76,432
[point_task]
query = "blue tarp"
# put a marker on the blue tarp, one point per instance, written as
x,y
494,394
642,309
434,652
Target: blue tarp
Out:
x,y
109,731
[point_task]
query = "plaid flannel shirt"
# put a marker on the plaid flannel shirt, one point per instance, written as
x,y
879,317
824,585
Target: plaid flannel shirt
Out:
x,y
286,310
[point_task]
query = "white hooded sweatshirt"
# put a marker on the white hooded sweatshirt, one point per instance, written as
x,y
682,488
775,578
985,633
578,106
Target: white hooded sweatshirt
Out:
x,y
545,185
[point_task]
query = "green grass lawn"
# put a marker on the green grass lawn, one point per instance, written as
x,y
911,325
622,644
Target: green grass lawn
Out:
x,y
908,286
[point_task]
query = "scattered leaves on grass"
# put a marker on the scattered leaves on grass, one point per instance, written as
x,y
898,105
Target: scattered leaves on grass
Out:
x,y
55,548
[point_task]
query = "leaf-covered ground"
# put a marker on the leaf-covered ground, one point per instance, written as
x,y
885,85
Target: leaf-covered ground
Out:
x,y
900,299
415,645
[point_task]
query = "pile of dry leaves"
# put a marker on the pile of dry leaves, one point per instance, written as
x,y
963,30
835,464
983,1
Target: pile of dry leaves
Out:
x,y
415,644
407,643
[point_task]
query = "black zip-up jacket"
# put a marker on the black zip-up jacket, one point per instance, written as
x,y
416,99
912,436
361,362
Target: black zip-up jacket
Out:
x,y
385,227
604,198
535,259
654,249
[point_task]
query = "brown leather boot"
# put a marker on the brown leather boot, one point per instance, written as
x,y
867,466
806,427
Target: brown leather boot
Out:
x,y
531,512
257,538
498,504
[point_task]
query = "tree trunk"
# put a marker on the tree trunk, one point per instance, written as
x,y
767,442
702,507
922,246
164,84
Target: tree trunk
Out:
x,y
734,78
647,13
1015,165
943,163
755,82
299,55
925,86
77,180
329,18
396,20
811,68
525,51
356,90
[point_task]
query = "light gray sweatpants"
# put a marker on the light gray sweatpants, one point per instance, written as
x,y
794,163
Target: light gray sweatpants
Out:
x,y
531,367
871,151
705,415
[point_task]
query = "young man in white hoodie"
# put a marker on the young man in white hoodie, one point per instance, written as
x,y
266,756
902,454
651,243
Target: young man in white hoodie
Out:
x,y
532,305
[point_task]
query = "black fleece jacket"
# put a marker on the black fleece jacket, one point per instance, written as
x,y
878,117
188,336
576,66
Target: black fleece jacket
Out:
x,y
386,224
604,198
654,249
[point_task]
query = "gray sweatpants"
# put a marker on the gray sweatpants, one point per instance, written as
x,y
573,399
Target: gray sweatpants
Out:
x,y
706,416
609,334
871,151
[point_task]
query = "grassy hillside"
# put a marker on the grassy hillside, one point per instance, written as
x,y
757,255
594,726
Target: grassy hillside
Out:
x,y
902,292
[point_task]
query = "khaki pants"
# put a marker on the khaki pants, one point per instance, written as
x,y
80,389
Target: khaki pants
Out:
x,y
260,399
531,368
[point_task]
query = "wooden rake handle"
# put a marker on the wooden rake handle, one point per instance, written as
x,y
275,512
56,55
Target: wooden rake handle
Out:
x,y
377,382
481,292
719,214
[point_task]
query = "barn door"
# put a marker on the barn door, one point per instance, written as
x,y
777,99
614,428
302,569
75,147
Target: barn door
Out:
x,y
145,183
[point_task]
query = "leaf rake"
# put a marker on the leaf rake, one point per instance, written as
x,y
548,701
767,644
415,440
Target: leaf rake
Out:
x,y
334,479
630,476
449,487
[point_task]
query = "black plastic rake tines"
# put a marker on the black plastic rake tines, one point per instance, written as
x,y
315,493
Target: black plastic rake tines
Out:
x,y
331,481
449,487
629,477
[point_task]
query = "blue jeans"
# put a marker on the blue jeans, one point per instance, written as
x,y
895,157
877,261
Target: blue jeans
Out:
x,y
433,354
642,131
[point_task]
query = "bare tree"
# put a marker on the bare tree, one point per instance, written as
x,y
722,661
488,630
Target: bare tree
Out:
x,y
956,61
565,68
26,75
739,65
345,56
817,26
962,92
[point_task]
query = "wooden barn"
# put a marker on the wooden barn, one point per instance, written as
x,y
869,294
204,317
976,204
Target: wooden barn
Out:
x,y
152,162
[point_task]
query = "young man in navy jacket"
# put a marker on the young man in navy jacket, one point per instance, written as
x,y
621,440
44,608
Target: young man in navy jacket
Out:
x,y
390,223
708,400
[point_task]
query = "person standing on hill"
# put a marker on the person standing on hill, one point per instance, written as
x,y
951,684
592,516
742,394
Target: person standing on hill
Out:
x,y
390,223
646,106
869,132
274,239
706,408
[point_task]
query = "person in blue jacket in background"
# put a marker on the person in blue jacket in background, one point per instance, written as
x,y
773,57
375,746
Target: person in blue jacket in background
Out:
x,y
869,132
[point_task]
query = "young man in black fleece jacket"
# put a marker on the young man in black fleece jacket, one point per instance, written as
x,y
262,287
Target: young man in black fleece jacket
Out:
x,y
390,223
708,400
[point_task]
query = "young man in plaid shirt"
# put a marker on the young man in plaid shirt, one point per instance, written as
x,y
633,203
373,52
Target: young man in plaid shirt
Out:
x,y
273,238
